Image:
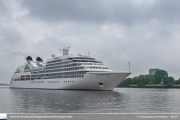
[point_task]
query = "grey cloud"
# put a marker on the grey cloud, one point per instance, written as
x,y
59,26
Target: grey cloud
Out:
x,y
99,11
14,53
3,8
19,53
165,10
98,26
62,10
10,37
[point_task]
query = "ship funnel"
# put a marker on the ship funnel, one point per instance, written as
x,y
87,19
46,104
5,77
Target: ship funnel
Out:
x,y
29,58
38,59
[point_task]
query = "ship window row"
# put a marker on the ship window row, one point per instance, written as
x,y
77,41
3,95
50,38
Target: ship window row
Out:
x,y
33,70
55,77
58,81
64,68
64,60
22,79
15,79
53,81
86,61
68,62
69,59
57,74
55,61
92,64
98,68
59,65
58,70
37,82
68,81
85,58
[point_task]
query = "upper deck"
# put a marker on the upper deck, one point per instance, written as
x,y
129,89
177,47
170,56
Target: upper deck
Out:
x,y
63,66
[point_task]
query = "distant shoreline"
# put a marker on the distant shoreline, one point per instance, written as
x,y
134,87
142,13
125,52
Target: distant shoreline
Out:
x,y
4,84
150,86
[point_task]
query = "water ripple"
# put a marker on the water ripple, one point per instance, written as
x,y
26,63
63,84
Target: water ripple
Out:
x,y
121,100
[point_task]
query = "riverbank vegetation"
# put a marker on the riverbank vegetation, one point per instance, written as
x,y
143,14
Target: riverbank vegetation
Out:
x,y
160,77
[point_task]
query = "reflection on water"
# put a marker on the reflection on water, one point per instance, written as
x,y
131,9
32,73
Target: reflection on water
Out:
x,y
61,100
121,100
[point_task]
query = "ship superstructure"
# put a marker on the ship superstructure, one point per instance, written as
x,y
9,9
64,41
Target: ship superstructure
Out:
x,y
66,72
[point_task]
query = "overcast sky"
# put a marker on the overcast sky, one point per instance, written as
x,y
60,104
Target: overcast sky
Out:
x,y
143,32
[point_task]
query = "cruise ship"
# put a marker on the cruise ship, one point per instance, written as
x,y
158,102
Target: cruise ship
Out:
x,y
67,72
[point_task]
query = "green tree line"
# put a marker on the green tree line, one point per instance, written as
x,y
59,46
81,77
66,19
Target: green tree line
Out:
x,y
160,76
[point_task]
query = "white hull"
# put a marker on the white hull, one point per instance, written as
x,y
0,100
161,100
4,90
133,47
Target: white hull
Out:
x,y
90,81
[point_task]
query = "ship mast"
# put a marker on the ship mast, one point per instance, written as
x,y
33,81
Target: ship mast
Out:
x,y
65,50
